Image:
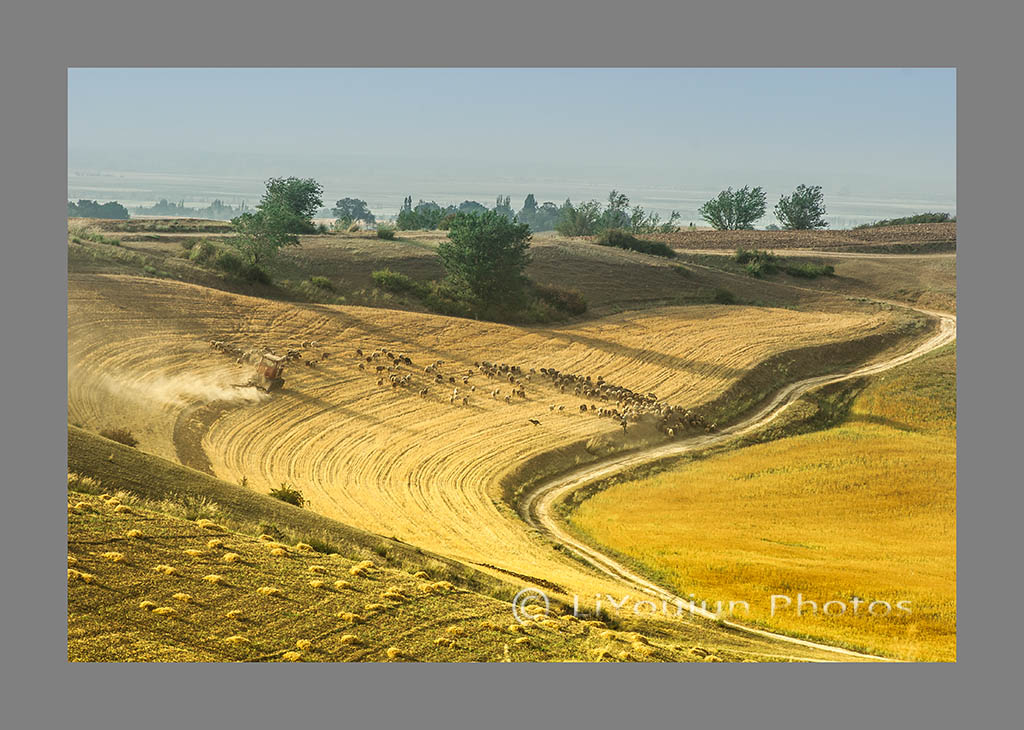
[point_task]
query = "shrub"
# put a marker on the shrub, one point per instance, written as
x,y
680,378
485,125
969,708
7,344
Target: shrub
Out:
x,y
398,283
385,232
287,493
724,296
354,228
322,282
618,238
566,300
230,262
911,219
810,271
121,435
203,252
758,263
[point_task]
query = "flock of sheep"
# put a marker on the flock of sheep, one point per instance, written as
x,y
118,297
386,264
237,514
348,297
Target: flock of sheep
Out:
x,y
397,370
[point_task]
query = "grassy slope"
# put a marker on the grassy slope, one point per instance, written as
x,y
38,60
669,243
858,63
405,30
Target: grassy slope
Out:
x,y
106,621
866,509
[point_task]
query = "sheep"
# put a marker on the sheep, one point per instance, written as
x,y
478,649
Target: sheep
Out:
x,y
465,400
359,352
508,399
583,408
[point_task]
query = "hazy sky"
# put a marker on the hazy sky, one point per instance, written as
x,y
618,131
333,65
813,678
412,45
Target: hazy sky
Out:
x,y
865,131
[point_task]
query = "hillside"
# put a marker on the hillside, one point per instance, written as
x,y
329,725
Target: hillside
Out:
x,y
167,564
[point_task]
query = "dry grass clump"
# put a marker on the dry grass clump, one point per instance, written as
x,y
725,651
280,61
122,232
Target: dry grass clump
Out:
x,y
193,553
601,653
183,597
80,575
165,569
82,507
712,658
516,629
352,618
133,534
596,624
147,605
72,560
317,569
231,557
444,641
304,644
304,547
441,586
317,583
350,640
208,524
122,509
362,568
215,543
421,574
214,578
371,607
113,557
278,552
522,640
291,656
341,584
638,638
393,594
236,640
234,613
267,538
456,631
625,656
164,611
394,652
270,591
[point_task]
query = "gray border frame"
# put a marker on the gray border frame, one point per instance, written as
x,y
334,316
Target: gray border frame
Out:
x,y
40,40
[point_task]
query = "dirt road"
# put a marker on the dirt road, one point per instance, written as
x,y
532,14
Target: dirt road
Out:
x,y
537,507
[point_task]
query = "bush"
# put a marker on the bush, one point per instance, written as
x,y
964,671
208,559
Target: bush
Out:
x,y
565,300
256,273
203,252
910,219
121,435
398,283
810,271
385,232
758,263
322,282
724,296
287,493
354,228
619,238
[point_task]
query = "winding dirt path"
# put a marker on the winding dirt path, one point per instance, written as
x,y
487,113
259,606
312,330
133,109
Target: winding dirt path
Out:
x,y
537,507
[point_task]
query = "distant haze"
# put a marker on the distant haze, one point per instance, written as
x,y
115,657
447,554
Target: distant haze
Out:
x,y
881,142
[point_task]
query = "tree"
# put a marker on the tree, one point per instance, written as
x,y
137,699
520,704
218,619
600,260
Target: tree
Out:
x,y
294,201
353,209
471,206
579,220
260,235
616,215
93,209
503,206
803,210
486,255
529,208
734,210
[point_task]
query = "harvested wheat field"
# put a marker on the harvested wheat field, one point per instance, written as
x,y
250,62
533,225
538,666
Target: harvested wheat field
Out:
x,y
429,467
865,510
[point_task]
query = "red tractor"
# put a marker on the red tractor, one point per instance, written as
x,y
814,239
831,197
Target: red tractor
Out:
x,y
268,373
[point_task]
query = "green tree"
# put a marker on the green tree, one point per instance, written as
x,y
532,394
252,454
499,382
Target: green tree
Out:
x,y
259,236
503,206
486,255
579,220
734,210
616,215
803,210
294,202
349,210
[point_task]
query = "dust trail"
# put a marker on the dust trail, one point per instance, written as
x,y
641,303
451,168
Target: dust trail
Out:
x,y
173,390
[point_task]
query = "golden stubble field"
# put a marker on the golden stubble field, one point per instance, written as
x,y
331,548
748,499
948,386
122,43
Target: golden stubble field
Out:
x,y
423,468
864,510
